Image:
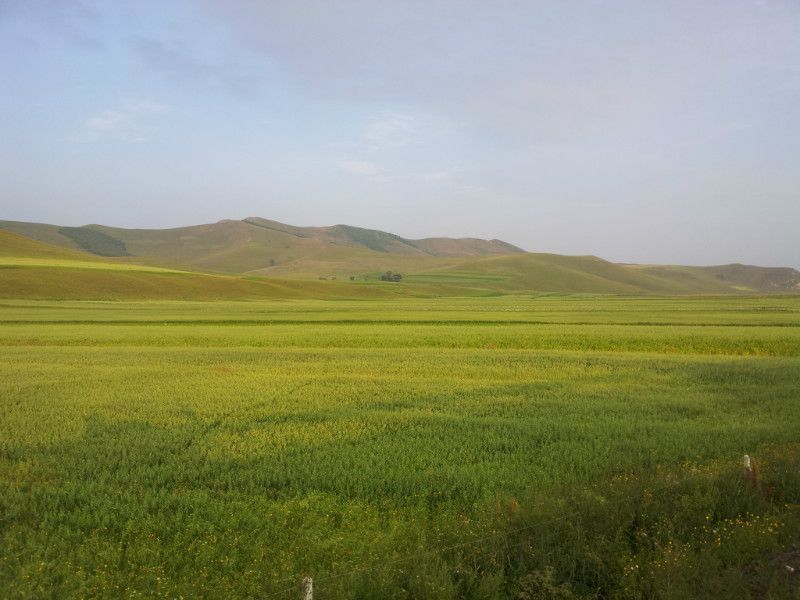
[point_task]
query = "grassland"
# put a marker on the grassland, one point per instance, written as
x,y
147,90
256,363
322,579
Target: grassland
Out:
x,y
261,246
520,446
35,270
432,266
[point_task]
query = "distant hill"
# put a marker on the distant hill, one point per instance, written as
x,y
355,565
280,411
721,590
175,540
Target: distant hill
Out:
x,y
260,248
15,245
741,277
260,245
589,274
31,269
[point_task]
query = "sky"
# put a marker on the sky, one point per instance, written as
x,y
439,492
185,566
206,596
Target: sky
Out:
x,y
638,131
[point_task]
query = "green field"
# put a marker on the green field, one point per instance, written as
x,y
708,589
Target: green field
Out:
x,y
501,447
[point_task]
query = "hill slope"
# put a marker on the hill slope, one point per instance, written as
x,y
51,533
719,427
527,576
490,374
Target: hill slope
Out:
x,y
560,274
256,245
589,274
737,276
260,247
20,246
34,270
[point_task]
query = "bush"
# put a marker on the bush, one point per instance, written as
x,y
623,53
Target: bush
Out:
x,y
389,276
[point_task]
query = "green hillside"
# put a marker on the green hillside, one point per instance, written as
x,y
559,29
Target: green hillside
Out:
x,y
742,277
573,274
35,270
42,232
264,247
95,242
353,257
15,245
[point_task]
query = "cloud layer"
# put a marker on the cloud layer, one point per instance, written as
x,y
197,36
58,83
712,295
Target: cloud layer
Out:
x,y
638,131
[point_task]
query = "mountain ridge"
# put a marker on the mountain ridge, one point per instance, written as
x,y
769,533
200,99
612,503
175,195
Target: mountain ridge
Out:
x,y
261,248
258,245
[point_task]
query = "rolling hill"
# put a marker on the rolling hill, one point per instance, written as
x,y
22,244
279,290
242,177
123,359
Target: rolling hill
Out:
x,y
34,270
256,257
740,277
261,246
589,274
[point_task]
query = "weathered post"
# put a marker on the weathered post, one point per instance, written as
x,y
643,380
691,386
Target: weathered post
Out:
x,y
308,588
752,473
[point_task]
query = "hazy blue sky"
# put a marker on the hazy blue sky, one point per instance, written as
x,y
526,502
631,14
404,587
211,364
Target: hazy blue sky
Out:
x,y
637,131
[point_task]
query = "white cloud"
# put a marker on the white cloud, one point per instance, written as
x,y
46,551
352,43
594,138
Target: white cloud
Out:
x,y
391,130
128,123
359,167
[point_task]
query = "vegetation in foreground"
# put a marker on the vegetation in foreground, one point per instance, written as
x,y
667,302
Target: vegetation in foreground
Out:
x,y
509,447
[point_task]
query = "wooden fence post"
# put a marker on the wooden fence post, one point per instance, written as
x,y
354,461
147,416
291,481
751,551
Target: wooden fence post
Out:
x,y
308,588
752,472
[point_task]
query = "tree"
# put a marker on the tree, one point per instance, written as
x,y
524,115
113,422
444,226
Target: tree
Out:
x,y
389,276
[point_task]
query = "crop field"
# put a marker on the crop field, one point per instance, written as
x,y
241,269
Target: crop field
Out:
x,y
500,447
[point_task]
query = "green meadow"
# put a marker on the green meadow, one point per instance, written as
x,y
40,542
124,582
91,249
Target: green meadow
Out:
x,y
533,446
